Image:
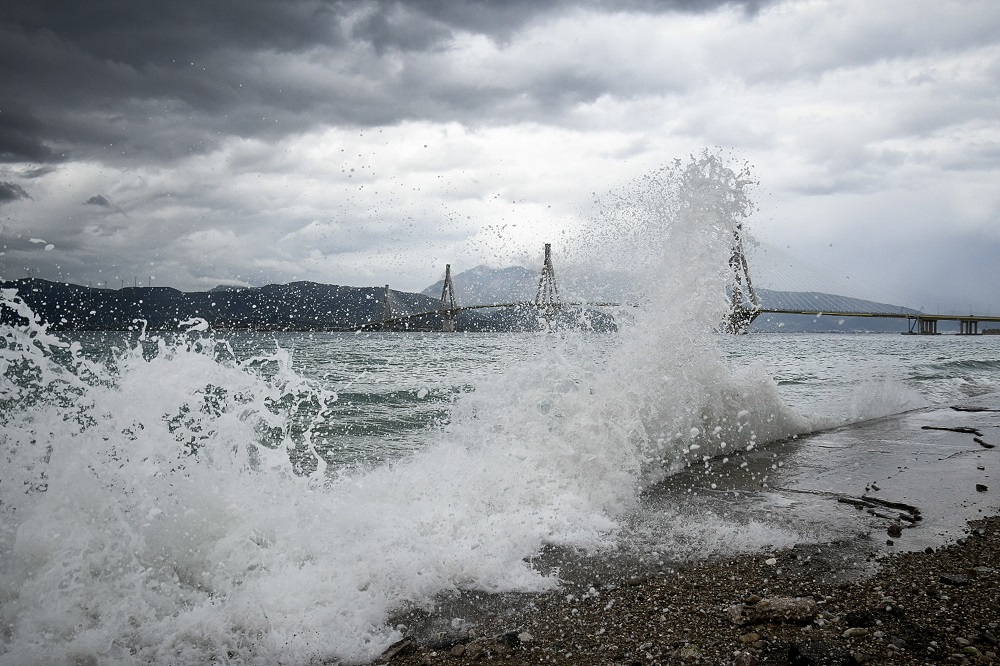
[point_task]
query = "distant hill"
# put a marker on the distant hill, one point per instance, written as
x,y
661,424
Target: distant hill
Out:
x,y
299,306
799,300
515,284
483,285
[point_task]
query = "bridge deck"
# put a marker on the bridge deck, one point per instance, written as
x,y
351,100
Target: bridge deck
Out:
x,y
884,315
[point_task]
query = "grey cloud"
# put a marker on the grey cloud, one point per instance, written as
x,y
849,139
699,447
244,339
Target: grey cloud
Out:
x,y
112,80
398,28
11,192
38,172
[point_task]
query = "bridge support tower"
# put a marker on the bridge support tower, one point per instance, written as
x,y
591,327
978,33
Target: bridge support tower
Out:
x,y
744,307
448,302
386,307
547,297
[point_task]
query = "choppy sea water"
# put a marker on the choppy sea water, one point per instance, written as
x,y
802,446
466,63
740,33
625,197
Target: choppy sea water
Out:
x,y
266,495
256,498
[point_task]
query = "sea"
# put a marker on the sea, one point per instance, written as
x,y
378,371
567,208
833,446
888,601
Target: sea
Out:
x,y
259,498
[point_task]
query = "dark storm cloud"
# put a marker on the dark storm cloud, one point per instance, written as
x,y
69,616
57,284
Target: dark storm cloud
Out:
x,y
418,25
102,201
135,33
110,80
11,192
99,200
20,138
105,78
500,19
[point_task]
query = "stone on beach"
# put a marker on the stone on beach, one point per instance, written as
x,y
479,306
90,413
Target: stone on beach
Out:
x,y
794,610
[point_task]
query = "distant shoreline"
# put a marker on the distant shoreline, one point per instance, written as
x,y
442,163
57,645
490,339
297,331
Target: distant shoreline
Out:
x,y
320,308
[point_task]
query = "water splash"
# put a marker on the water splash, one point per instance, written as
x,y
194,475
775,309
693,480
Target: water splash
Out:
x,y
169,505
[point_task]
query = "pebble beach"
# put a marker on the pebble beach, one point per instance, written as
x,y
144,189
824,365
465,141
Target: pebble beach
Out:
x,y
796,607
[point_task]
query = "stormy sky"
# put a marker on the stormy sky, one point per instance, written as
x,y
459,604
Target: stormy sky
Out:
x,y
193,143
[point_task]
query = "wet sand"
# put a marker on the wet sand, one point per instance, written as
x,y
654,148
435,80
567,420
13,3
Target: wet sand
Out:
x,y
904,567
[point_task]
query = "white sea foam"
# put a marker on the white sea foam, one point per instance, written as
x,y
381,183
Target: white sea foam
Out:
x,y
164,509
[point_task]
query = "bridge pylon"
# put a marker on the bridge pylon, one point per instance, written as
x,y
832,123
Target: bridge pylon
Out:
x,y
744,306
547,297
448,302
386,306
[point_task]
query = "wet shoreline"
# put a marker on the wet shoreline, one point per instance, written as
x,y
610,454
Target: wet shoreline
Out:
x,y
902,569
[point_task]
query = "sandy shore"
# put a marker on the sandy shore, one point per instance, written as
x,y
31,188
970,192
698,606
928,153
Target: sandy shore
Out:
x,y
910,576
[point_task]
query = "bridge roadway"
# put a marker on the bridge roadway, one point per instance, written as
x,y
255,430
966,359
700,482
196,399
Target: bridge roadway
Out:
x,y
926,323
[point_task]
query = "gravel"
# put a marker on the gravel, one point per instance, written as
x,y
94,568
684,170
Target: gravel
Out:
x,y
805,605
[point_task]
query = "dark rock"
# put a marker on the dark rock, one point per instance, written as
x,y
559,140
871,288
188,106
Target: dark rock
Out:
x,y
475,650
745,659
895,531
955,580
980,488
793,610
859,619
400,647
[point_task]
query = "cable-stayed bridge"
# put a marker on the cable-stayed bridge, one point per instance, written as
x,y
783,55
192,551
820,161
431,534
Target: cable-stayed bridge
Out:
x,y
747,300
812,292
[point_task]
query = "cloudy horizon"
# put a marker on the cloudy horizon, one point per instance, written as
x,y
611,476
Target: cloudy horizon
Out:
x,y
192,144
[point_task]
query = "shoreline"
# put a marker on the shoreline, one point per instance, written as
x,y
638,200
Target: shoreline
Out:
x,y
793,607
905,569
